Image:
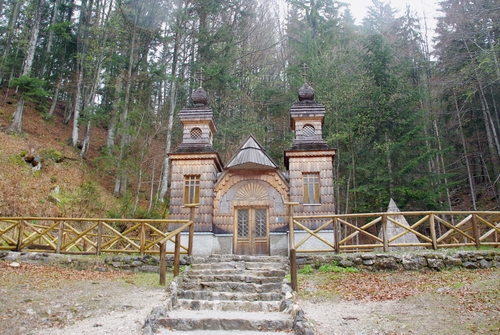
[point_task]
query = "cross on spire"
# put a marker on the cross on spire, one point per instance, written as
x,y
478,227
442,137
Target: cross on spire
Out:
x,y
200,77
304,72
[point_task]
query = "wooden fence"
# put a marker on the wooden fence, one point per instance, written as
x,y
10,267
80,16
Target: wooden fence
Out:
x,y
347,233
368,232
97,236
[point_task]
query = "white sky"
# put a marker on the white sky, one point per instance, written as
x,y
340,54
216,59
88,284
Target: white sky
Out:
x,y
427,7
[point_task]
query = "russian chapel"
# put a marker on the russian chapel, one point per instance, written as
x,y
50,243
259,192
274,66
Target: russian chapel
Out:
x,y
243,204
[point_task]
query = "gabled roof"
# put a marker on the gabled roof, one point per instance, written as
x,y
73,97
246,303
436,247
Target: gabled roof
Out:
x,y
251,156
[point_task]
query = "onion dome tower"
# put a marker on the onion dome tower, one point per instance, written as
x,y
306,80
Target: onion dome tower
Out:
x,y
310,159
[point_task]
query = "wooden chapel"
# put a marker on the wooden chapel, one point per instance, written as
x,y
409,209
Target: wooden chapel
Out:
x,y
242,204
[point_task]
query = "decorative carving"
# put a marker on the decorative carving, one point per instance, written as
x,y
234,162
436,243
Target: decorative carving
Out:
x,y
252,192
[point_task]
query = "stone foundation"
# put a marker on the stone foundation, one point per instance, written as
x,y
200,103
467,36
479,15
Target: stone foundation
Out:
x,y
410,261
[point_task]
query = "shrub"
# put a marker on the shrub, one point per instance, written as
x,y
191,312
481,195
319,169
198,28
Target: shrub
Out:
x,y
306,269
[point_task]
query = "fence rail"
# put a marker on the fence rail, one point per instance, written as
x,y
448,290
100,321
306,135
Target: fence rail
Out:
x,y
371,231
97,236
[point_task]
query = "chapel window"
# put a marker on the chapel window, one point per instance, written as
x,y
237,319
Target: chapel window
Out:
x,y
311,188
191,190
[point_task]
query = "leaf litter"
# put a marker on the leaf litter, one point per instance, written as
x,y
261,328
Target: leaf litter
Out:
x,y
454,301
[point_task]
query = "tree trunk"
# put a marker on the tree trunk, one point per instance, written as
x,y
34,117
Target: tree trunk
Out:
x,y
30,54
86,140
467,163
113,120
121,177
77,106
55,97
16,125
173,102
50,40
166,162
68,108
389,162
10,31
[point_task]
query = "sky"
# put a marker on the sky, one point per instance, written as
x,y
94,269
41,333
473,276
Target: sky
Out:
x,y
427,7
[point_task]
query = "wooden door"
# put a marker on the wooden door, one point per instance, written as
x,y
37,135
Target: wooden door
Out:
x,y
251,231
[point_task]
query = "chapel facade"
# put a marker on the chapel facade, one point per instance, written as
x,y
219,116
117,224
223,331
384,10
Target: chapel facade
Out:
x,y
243,204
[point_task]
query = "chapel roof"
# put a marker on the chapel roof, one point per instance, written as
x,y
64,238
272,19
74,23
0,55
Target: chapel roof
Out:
x,y
251,156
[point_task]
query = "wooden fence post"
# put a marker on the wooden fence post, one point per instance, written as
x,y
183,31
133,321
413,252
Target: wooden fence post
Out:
x,y
20,237
292,251
60,237
177,254
293,269
99,238
191,231
384,232
163,263
475,231
336,235
432,227
143,238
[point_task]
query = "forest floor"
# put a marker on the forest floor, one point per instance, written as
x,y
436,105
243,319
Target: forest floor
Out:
x,y
41,299
447,303
25,192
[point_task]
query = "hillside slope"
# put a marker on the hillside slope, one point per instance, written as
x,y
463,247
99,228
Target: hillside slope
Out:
x,y
83,190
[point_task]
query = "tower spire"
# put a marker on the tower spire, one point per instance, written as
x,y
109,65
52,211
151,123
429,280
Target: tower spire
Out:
x,y
304,72
200,77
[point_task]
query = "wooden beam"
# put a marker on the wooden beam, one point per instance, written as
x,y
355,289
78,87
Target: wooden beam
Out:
x,y
163,263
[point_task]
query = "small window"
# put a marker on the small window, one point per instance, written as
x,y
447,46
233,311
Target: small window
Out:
x,y
196,133
308,130
191,190
311,188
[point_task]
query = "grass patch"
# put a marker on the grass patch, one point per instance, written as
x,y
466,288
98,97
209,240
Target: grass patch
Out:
x,y
307,269
334,267
149,279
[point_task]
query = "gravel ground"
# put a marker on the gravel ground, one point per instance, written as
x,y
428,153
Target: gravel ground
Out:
x,y
46,300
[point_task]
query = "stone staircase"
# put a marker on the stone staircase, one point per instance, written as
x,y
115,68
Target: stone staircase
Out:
x,y
227,293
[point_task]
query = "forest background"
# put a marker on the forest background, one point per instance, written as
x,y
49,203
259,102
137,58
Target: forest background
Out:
x,y
413,115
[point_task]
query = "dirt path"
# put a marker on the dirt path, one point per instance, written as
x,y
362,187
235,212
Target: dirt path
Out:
x,y
39,299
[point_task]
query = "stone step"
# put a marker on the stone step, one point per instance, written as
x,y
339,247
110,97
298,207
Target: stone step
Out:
x,y
229,305
242,278
184,320
237,258
235,296
261,273
163,331
231,287
239,266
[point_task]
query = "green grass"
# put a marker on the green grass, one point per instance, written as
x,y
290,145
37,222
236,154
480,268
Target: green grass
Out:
x,y
308,269
150,279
